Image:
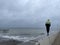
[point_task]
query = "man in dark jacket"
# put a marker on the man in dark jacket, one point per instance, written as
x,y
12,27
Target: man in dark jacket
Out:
x,y
48,24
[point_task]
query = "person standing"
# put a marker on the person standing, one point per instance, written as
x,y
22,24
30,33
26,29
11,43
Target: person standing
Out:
x,y
48,24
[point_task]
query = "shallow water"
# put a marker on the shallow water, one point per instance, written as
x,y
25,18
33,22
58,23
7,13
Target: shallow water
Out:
x,y
24,34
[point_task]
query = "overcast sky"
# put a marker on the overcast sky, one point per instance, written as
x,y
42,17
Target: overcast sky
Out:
x,y
28,13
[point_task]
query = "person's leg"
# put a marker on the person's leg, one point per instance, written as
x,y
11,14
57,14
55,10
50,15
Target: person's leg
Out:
x,y
48,29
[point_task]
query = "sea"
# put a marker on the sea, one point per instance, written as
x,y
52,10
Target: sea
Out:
x,y
25,34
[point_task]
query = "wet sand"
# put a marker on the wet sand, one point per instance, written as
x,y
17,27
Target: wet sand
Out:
x,y
57,40
28,43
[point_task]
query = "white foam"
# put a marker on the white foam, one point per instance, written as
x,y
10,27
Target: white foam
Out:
x,y
26,39
19,38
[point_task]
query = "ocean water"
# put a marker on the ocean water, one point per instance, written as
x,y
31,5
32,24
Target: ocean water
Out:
x,y
23,34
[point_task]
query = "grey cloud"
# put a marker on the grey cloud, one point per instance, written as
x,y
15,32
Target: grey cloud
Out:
x,y
28,13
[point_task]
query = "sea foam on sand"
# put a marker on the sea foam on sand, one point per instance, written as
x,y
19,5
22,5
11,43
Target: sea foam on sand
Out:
x,y
26,40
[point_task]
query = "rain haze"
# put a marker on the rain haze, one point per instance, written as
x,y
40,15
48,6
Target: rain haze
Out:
x,y
29,13
27,22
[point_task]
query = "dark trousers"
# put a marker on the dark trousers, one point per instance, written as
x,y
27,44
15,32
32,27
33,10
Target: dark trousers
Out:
x,y
47,28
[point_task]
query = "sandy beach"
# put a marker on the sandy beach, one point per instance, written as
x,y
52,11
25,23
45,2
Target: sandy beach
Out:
x,y
57,40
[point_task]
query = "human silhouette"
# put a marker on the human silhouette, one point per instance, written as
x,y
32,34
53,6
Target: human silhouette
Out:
x,y
48,24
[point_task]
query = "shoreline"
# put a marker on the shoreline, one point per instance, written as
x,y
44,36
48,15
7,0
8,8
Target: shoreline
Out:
x,y
4,41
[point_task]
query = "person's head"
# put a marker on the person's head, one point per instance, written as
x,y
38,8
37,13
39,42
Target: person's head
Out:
x,y
48,20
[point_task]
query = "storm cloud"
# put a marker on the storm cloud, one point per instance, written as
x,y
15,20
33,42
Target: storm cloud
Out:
x,y
28,13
